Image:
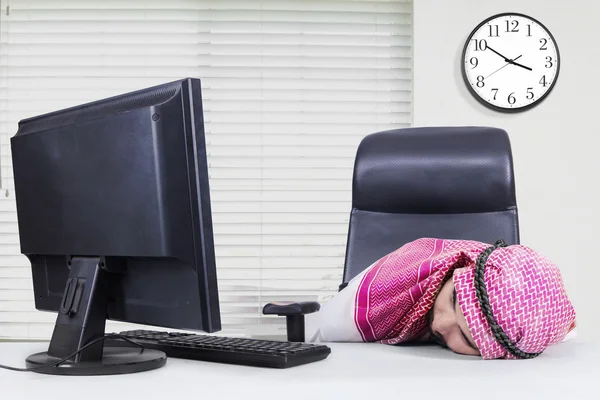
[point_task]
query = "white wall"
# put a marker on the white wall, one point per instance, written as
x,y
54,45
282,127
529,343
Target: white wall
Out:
x,y
554,144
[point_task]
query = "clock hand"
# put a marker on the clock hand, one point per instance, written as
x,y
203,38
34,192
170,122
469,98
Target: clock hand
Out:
x,y
504,66
505,59
519,65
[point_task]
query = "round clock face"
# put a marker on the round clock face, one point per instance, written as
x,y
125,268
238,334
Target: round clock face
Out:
x,y
510,62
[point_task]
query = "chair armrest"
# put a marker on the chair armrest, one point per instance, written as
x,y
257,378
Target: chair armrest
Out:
x,y
291,308
294,315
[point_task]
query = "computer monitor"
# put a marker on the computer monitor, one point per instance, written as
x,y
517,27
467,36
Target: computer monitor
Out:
x,y
114,214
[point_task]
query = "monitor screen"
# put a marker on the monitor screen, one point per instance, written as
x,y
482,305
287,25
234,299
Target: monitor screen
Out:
x,y
121,183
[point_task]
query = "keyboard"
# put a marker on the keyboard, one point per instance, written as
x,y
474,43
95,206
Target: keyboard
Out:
x,y
240,351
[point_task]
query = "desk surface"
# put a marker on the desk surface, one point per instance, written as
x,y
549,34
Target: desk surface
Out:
x,y
567,371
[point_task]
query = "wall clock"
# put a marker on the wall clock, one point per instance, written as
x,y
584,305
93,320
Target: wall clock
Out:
x,y
510,62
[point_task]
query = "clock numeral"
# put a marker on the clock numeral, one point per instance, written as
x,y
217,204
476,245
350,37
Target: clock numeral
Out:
x,y
515,26
495,92
543,81
529,30
530,94
480,82
494,31
511,98
549,62
544,42
480,45
474,62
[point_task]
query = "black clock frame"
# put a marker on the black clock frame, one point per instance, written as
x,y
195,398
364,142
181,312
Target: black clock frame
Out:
x,y
494,107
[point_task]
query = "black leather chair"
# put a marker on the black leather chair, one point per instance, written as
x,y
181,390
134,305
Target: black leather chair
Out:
x,y
443,182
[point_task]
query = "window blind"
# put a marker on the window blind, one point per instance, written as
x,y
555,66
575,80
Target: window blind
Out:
x,y
290,87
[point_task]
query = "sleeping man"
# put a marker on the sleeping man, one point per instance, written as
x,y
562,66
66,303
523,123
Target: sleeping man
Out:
x,y
493,301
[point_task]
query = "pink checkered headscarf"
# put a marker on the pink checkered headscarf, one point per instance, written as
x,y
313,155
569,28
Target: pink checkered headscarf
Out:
x,y
527,302
524,291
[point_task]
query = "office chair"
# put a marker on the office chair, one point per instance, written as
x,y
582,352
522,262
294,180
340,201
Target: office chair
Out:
x,y
442,182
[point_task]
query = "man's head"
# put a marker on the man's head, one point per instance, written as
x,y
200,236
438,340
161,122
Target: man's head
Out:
x,y
527,300
447,324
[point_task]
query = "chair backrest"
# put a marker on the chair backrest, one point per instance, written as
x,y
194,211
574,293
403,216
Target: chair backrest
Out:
x,y
443,182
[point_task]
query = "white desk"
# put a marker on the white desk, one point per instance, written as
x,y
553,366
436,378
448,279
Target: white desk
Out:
x,y
568,371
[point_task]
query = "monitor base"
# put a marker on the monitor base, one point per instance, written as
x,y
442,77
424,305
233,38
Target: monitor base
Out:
x,y
115,360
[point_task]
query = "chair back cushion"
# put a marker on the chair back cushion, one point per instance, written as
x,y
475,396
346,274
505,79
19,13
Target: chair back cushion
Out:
x,y
443,182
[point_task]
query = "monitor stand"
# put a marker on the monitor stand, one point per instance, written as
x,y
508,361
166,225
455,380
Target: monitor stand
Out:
x,y
81,319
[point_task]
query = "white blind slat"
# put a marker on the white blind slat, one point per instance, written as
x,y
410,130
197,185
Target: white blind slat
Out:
x,y
290,87
315,5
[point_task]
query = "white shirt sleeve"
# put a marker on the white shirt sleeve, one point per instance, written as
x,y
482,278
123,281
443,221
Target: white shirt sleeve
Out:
x,y
335,321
